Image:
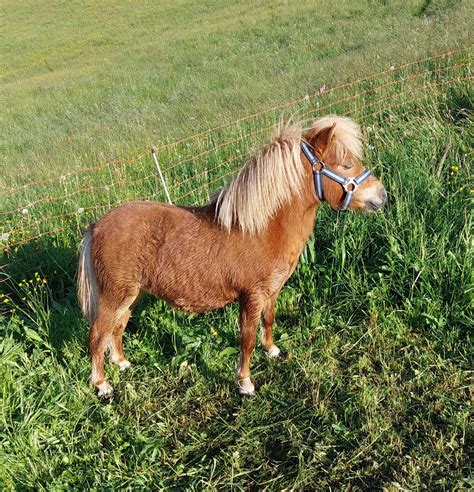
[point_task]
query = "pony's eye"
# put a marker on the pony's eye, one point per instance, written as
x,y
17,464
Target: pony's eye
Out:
x,y
347,165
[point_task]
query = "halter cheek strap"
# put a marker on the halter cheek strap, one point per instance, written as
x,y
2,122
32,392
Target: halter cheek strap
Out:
x,y
350,185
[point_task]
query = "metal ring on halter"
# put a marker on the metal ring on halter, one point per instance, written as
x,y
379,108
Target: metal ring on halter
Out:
x,y
349,182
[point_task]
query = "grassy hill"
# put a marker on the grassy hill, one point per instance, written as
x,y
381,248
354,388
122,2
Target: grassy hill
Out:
x,y
88,81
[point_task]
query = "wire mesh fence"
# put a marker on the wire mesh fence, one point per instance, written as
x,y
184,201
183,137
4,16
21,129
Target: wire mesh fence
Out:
x,y
42,221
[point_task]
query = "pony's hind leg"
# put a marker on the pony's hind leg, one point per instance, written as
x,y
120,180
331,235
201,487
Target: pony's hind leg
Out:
x,y
106,334
100,339
266,332
116,355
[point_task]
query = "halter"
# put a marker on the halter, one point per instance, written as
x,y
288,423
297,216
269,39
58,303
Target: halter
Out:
x,y
350,185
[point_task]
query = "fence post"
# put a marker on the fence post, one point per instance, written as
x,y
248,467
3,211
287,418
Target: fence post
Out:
x,y
163,182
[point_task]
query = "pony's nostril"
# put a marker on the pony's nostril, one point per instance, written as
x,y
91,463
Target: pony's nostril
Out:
x,y
377,202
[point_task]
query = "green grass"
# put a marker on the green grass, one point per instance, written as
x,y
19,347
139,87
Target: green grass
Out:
x,y
84,82
377,317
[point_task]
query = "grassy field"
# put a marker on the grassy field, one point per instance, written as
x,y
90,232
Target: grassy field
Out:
x,y
89,81
377,318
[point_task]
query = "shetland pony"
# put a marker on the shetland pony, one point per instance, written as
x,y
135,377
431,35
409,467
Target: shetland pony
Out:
x,y
243,245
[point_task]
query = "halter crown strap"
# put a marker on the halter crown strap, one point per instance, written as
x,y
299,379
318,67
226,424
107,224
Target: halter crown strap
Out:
x,y
313,159
350,185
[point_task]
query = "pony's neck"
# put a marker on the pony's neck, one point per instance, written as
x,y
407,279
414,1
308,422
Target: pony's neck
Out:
x,y
294,222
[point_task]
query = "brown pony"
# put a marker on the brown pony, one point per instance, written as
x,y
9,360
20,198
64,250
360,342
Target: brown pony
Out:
x,y
243,245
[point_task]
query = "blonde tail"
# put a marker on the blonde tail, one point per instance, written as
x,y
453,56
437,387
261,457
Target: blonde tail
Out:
x,y
87,291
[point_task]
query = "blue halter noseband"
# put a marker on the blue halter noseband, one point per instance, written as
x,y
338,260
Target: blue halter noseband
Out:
x,y
350,185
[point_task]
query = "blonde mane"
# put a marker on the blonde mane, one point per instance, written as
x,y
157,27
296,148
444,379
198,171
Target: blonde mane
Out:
x,y
269,179
346,137
274,174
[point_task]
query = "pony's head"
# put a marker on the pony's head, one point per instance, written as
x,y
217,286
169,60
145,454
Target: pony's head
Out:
x,y
335,150
276,174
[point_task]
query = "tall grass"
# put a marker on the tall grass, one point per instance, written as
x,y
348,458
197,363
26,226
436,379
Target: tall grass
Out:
x,y
377,319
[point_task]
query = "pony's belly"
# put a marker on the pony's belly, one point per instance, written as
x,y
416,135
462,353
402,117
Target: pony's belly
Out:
x,y
199,304
194,300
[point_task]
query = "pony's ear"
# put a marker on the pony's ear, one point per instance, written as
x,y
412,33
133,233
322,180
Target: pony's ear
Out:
x,y
321,140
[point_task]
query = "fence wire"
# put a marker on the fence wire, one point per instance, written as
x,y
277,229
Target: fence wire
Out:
x,y
45,217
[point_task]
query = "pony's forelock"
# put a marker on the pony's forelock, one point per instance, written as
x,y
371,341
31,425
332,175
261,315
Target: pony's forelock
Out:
x,y
270,178
346,137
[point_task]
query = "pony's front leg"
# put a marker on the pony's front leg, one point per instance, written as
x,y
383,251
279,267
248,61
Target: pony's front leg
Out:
x,y
250,310
266,331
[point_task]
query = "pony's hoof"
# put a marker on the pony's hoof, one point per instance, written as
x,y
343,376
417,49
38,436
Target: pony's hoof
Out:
x,y
276,354
123,365
105,390
246,388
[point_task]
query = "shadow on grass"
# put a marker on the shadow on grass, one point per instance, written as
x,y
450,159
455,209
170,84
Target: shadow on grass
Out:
x,y
39,280
458,107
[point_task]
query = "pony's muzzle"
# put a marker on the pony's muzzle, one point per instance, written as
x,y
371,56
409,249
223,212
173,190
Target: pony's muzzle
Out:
x,y
377,202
